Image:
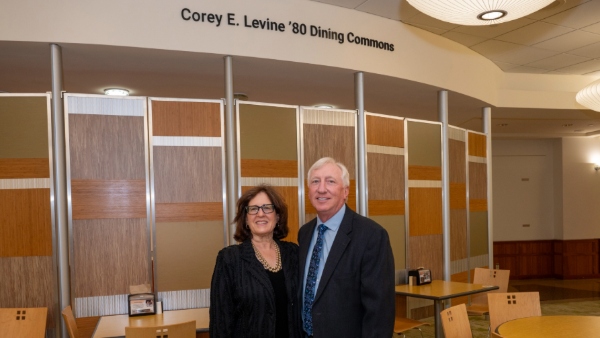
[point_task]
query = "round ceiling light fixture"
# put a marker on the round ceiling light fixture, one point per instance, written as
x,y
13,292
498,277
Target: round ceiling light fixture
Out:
x,y
116,92
478,12
323,106
589,96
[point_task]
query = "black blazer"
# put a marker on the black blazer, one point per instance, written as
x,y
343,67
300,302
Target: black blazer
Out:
x,y
242,300
356,295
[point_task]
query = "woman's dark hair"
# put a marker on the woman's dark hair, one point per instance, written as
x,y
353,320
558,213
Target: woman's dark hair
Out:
x,y
242,232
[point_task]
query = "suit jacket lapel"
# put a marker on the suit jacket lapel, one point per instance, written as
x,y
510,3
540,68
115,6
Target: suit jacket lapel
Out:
x,y
310,228
337,250
254,267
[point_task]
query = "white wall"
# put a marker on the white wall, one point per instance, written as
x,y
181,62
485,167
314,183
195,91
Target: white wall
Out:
x,y
523,189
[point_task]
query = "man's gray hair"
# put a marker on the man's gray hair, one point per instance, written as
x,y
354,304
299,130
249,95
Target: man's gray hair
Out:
x,y
328,160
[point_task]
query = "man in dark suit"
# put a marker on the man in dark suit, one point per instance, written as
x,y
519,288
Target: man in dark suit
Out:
x,y
346,263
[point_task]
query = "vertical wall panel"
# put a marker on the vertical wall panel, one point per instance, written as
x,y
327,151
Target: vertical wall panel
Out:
x,y
27,277
478,203
188,184
108,210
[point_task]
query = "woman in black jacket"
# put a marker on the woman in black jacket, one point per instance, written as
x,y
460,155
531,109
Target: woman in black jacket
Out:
x,y
255,284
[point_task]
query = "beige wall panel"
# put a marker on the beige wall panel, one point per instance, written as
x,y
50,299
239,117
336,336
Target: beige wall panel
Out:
x,y
189,212
108,199
386,207
107,147
396,229
186,254
188,174
427,251
419,172
458,234
24,168
23,127
386,176
424,144
177,118
25,226
333,141
458,196
425,211
477,180
268,133
109,256
477,145
269,168
351,201
457,157
27,282
386,132
478,232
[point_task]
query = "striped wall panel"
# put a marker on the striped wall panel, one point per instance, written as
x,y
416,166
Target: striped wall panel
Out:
x,y
188,184
108,209
478,203
26,247
270,155
386,179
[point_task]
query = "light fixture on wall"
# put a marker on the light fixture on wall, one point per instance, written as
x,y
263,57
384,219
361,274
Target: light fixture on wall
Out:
x,y
323,106
116,92
589,96
478,12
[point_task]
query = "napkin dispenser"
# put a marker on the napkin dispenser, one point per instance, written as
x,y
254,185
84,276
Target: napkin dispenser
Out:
x,y
421,275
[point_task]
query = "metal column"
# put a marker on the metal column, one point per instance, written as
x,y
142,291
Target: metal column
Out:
x,y
361,176
443,112
487,129
230,144
60,185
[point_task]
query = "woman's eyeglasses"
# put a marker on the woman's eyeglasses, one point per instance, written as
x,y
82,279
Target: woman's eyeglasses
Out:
x,y
266,208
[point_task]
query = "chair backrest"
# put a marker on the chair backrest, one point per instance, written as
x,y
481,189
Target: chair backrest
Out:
x,y
508,306
69,319
455,322
180,330
495,277
496,335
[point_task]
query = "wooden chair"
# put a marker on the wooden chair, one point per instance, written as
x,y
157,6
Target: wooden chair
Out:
x,y
455,322
180,330
479,302
509,306
402,324
496,335
69,319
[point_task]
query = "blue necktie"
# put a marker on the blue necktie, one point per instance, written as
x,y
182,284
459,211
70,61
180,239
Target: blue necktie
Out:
x,y
311,281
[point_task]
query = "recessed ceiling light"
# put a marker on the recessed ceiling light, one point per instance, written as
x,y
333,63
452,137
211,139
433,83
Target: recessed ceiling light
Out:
x,y
590,125
240,96
323,106
578,131
116,92
568,125
492,15
503,125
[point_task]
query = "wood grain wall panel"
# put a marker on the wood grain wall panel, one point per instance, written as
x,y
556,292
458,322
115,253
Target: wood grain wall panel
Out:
x,y
384,131
427,173
386,176
24,168
188,174
25,224
186,254
109,255
386,207
458,161
333,141
189,212
179,118
477,180
24,127
425,211
28,282
269,168
477,145
106,147
427,251
477,205
108,199
458,234
458,196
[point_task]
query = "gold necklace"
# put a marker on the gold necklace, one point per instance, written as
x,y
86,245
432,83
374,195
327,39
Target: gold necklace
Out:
x,y
264,262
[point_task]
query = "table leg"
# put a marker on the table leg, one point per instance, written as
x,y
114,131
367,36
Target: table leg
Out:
x,y
438,305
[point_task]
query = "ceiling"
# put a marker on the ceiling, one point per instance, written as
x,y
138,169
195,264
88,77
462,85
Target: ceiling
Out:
x,y
25,68
563,38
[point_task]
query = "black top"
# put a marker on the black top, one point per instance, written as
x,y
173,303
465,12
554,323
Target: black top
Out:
x,y
281,320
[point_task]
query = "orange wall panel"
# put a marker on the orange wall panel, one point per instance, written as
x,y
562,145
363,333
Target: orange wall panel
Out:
x,y
425,211
386,207
175,118
420,172
108,199
189,212
386,132
24,168
269,168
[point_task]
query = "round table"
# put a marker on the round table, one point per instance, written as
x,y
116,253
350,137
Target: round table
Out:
x,y
551,326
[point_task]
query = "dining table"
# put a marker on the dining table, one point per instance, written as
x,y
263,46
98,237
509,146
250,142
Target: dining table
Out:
x,y
438,291
23,322
114,326
551,326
